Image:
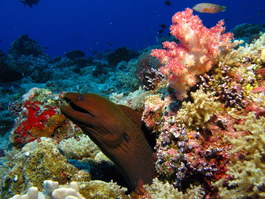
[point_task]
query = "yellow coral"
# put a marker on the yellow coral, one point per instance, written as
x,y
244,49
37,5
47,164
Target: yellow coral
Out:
x,y
162,190
196,114
262,55
79,147
255,51
248,173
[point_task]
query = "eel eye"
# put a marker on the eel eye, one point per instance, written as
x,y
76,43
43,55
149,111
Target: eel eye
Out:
x,y
77,108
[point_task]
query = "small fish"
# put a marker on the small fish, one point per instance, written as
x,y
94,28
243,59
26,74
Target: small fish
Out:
x,y
208,8
109,43
168,3
162,26
160,31
30,3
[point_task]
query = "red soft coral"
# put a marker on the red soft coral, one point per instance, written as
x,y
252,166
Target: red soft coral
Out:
x,y
195,54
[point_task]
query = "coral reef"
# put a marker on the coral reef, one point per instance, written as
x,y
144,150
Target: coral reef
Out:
x,y
81,74
39,117
134,100
121,54
74,54
124,78
215,137
197,113
248,174
98,189
7,71
36,162
196,52
209,127
165,190
52,190
95,189
24,45
81,147
77,57
248,32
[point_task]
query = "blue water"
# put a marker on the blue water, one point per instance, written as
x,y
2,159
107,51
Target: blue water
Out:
x,y
63,25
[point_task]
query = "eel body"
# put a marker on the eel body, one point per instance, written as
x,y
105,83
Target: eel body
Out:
x,y
116,129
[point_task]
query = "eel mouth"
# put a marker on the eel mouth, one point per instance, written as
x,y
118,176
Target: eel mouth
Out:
x,y
77,108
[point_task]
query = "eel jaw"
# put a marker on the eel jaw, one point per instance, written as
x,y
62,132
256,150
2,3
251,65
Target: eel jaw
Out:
x,y
77,114
77,108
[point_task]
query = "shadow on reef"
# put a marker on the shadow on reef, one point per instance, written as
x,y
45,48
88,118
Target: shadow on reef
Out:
x,y
7,73
101,171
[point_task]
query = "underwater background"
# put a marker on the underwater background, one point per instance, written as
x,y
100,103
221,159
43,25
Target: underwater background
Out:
x,y
198,91
64,25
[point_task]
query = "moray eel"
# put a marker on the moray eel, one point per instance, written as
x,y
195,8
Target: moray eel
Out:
x,y
116,129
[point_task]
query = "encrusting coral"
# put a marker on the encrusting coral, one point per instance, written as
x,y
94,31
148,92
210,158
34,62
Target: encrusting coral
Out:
x,y
39,117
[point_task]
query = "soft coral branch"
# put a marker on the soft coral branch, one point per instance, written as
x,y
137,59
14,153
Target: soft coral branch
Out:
x,y
195,54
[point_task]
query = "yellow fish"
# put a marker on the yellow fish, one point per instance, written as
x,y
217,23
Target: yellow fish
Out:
x,y
208,8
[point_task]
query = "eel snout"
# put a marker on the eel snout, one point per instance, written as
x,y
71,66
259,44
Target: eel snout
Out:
x,y
76,107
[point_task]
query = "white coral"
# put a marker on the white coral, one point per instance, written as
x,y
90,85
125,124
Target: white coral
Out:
x,y
52,191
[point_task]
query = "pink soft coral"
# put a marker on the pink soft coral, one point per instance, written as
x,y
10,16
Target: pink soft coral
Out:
x,y
195,54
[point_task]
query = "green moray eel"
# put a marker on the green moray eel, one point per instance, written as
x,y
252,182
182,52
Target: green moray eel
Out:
x,y
116,129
